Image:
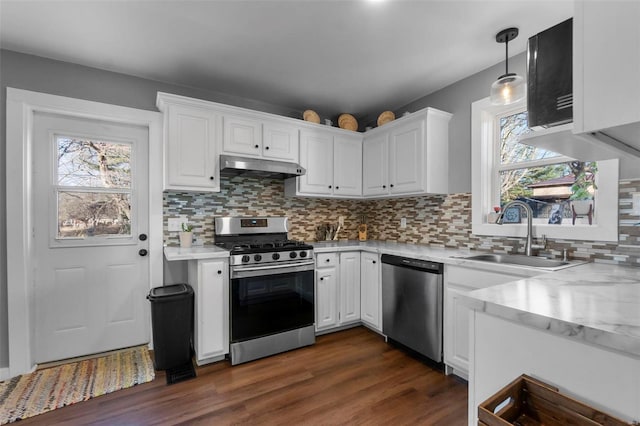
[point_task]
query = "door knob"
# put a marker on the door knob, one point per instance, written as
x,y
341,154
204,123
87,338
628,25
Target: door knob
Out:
x,y
143,252
142,237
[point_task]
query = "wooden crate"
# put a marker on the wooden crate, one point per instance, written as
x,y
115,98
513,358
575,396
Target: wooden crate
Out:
x,y
527,401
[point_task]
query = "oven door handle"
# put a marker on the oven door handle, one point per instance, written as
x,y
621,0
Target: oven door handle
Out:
x,y
254,271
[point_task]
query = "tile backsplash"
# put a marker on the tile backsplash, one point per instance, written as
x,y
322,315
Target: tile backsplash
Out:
x,y
435,220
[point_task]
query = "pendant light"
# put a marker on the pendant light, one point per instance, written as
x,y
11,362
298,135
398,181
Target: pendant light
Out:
x,y
509,87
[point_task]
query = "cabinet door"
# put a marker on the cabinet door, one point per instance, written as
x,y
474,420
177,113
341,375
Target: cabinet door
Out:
x,y
212,312
456,328
370,291
375,165
606,64
347,165
349,287
326,298
242,136
280,142
406,169
316,156
191,161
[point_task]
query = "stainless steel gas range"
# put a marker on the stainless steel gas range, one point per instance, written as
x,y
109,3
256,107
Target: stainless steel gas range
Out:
x,y
272,287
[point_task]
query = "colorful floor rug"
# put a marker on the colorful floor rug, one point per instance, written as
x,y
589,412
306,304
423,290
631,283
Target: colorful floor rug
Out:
x,y
47,389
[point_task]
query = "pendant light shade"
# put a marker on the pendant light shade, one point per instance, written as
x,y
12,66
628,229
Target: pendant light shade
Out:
x,y
509,87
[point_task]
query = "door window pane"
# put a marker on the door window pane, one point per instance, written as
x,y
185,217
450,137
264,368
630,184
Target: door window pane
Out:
x,y
91,214
89,163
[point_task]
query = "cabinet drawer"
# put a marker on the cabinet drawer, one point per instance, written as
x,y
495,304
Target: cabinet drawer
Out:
x,y
326,259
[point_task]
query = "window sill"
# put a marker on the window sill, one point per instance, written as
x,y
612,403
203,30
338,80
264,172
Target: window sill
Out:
x,y
573,232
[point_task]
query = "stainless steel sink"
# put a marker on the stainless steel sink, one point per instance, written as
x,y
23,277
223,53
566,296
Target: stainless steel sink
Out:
x,y
515,259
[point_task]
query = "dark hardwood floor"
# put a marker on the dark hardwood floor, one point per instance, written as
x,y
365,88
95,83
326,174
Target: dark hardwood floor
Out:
x,y
349,377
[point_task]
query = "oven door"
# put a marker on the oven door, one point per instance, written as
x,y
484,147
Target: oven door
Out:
x,y
271,299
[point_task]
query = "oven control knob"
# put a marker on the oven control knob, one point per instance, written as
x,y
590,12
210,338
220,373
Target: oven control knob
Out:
x,y
257,258
303,254
293,254
275,256
245,259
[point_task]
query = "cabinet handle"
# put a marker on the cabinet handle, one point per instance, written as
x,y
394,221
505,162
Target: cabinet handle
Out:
x,y
391,185
384,186
257,146
337,187
328,260
374,262
266,147
211,178
321,278
329,186
219,272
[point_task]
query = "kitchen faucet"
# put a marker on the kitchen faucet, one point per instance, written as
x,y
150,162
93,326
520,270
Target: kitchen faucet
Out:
x,y
529,244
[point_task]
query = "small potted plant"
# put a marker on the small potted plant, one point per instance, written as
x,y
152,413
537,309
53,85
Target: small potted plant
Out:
x,y
186,236
582,189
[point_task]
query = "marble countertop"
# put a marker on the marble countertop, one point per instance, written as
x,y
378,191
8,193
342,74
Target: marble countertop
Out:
x,y
195,253
593,303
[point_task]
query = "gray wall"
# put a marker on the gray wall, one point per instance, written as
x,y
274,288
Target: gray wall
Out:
x,y
60,78
457,99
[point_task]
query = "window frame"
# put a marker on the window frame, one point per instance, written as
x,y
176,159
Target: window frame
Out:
x,y
485,161
98,240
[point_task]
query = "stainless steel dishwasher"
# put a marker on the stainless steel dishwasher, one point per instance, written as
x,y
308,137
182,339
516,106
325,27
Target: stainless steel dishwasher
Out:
x,y
412,293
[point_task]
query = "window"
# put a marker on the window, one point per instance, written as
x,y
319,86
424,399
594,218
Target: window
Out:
x,y
92,188
547,181
504,169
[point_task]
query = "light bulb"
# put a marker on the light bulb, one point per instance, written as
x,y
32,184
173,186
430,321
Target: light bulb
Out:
x,y
507,89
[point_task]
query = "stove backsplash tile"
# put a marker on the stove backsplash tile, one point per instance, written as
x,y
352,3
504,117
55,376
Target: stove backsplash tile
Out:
x,y
243,196
434,220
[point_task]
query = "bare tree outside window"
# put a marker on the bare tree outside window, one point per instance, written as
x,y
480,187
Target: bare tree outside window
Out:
x,y
532,174
93,188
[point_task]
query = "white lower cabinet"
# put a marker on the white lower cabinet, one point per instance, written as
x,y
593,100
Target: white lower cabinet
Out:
x,y
210,282
371,291
337,290
459,280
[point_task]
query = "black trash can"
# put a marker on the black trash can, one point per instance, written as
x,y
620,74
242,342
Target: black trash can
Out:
x,y
172,324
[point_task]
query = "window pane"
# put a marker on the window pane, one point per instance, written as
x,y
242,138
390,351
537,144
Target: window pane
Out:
x,y
551,189
512,151
92,163
90,214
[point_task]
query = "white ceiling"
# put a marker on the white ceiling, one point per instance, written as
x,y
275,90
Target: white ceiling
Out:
x,y
361,57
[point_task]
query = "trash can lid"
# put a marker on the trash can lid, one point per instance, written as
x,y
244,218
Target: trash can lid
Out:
x,y
170,291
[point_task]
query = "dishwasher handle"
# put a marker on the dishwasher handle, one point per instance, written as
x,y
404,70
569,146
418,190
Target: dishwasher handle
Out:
x,y
420,265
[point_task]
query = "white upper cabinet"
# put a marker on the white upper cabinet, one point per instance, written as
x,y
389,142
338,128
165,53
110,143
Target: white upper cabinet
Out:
x,y
606,65
347,165
316,156
408,156
375,164
280,141
260,138
333,163
242,136
190,141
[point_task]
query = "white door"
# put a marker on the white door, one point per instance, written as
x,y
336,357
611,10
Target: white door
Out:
x,y
90,225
